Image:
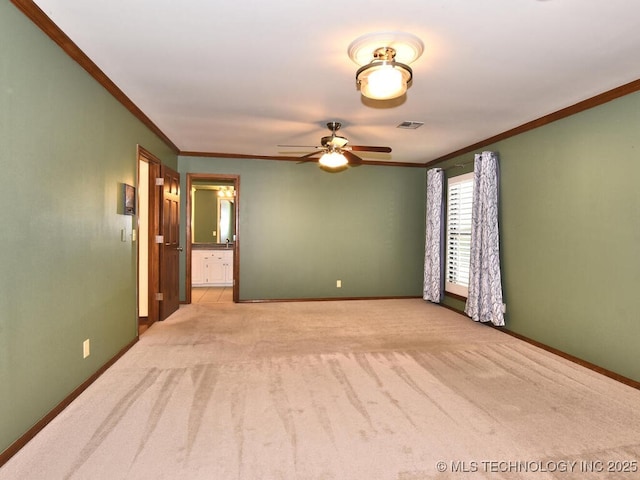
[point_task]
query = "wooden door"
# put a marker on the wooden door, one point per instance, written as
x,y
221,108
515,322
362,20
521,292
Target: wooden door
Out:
x,y
152,248
170,244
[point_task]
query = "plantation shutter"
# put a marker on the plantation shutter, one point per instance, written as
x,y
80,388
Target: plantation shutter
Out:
x,y
459,208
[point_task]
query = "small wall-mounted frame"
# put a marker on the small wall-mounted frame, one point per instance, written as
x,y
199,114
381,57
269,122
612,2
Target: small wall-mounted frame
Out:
x,y
129,199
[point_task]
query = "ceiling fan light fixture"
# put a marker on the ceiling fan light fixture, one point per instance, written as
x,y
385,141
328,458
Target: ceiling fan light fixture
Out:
x,y
333,159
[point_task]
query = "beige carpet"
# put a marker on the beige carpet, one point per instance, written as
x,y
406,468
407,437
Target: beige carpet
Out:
x,y
341,390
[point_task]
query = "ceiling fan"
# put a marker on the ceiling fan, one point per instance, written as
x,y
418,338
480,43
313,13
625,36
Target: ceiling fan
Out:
x,y
336,146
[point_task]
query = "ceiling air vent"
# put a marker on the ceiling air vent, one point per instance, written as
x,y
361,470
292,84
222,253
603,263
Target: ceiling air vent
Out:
x,y
410,125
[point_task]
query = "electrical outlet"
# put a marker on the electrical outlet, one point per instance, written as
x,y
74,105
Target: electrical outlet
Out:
x,y
504,308
86,348
338,283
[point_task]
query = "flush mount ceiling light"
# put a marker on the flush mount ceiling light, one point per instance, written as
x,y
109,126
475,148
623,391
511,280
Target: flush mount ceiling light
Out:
x,y
384,78
384,57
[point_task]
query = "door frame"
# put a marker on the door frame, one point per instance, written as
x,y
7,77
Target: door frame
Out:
x,y
213,178
153,271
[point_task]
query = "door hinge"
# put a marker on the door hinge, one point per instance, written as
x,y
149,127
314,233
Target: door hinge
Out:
x,y
159,238
159,297
159,181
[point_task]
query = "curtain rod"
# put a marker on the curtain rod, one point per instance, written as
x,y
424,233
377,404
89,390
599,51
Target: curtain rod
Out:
x,y
457,165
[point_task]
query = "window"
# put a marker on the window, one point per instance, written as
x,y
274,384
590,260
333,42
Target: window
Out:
x,y
459,203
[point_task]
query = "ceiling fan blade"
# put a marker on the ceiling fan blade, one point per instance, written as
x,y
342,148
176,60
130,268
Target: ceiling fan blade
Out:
x,y
308,156
352,158
364,148
299,146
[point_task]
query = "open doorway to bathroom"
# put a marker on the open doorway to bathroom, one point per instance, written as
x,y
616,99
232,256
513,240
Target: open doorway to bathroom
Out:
x,y
213,240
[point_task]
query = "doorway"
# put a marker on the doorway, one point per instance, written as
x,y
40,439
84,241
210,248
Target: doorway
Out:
x,y
158,240
225,238
148,252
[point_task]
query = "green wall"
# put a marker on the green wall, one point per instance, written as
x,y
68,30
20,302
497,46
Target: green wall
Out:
x,y
301,228
570,234
66,147
205,215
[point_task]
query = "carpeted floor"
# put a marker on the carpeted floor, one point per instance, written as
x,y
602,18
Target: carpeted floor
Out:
x,y
344,390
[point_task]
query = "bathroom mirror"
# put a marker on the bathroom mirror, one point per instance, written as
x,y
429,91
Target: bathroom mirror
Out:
x,y
225,220
213,213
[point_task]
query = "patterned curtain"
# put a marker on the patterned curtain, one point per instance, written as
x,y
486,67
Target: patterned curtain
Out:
x,y
484,301
434,244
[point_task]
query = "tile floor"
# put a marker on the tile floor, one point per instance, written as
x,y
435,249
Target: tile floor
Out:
x,y
202,295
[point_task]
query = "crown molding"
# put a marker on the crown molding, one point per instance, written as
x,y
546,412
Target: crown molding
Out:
x,y
600,99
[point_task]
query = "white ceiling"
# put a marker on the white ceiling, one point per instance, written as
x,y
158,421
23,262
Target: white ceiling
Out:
x,y
243,77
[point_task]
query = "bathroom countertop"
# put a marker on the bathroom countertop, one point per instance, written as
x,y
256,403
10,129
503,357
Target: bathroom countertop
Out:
x,y
211,246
